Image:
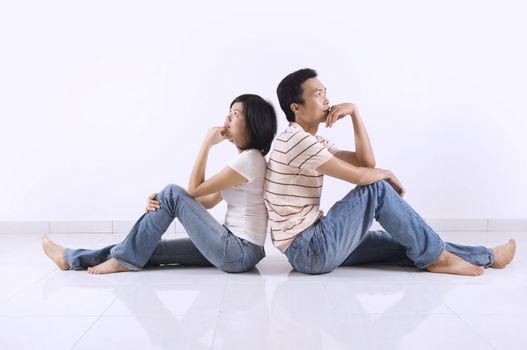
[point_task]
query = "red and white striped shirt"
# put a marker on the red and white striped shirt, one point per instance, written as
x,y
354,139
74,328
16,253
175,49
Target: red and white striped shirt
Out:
x,y
292,186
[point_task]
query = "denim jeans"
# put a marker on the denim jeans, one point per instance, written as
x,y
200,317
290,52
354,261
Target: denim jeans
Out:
x,y
210,243
343,238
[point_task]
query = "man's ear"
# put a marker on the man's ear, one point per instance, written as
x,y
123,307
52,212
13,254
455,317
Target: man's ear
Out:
x,y
295,107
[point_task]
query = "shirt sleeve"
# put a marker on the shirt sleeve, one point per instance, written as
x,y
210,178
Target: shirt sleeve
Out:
x,y
330,146
309,154
242,164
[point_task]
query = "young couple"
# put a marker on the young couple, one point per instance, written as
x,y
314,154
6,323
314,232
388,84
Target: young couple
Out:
x,y
286,193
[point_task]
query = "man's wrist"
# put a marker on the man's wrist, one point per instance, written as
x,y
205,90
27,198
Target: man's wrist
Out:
x,y
385,174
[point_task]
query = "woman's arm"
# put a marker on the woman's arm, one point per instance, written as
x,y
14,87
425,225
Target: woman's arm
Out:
x,y
226,178
210,201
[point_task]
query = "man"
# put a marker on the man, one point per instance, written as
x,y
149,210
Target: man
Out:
x,y
315,243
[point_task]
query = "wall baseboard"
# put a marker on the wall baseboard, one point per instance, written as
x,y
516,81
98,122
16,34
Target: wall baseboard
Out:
x,y
124,226
75,227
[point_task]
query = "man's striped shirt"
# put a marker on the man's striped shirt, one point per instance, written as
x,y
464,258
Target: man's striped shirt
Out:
x,y
292,185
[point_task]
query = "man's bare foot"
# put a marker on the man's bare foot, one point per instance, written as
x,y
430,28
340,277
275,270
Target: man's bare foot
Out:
x,y
55,252
450,263
109,266
503,254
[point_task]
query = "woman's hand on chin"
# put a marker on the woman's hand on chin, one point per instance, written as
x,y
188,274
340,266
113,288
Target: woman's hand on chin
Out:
x,y
216,135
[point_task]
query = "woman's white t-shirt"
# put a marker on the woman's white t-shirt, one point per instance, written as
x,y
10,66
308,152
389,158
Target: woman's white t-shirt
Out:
x,y
246,214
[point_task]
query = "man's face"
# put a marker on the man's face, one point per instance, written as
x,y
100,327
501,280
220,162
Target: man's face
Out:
x,y
316,104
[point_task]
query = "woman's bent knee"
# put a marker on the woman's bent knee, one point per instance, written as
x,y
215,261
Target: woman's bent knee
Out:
x,y
171,191
171,188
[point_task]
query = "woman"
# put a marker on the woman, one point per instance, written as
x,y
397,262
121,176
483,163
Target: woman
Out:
x,y
237,245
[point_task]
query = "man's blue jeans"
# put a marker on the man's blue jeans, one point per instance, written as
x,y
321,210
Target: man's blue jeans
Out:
x,y
342,238
210,243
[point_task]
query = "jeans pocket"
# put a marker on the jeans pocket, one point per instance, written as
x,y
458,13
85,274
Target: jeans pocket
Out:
x,y
307,258
316,262
232,260
253,255
300,258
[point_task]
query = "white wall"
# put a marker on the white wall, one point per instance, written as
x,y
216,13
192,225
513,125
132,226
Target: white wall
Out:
x,y
104,102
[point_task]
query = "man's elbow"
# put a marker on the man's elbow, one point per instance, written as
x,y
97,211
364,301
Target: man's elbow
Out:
x,y
366,162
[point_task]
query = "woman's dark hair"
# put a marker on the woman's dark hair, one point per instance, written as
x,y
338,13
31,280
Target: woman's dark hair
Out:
x,y
290,90
260,122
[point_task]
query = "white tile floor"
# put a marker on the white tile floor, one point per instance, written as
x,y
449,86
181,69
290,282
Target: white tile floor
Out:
x,y
367,307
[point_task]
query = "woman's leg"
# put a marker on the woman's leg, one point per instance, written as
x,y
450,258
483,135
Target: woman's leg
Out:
x,y
74,259
219,246
82,259
180,251
183,251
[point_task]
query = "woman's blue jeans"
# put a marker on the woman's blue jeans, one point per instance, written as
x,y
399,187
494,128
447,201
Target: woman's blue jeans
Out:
x,y
210,243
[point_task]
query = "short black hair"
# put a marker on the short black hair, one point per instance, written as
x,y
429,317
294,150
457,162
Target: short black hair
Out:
x,y
290,90
260,122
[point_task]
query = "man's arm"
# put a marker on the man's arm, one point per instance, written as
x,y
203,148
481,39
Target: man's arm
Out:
x,y
340,169
363,155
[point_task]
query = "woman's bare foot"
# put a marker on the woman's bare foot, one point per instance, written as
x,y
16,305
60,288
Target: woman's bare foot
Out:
x,y
109,266
503,254
450,263
55,252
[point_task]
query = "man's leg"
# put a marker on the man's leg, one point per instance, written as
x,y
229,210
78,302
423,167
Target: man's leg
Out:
x,y
348,221
477,255
378,247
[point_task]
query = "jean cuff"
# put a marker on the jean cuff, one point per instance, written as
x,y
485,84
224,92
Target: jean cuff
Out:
x,y
441,251
67,254
491,252
125,264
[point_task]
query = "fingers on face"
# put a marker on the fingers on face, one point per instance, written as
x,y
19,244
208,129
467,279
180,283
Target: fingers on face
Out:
x,y
334,119
333,115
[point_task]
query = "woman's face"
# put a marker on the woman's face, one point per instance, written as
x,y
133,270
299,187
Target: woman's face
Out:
x,y
235,128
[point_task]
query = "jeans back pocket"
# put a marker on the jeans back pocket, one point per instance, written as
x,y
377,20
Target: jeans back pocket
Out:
x,y
232,260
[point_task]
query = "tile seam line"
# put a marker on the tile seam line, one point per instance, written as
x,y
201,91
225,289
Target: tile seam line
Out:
x,y
219,314
488,342
93,324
